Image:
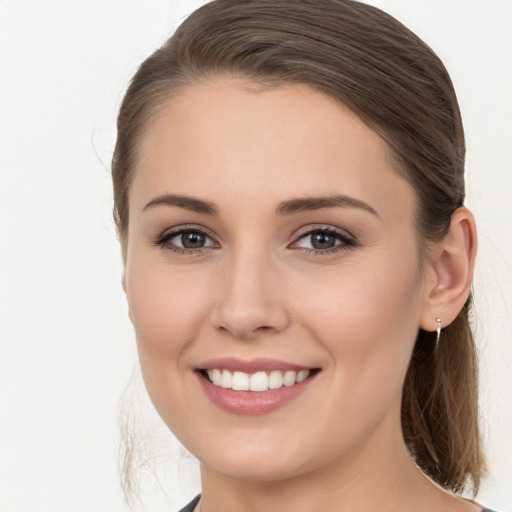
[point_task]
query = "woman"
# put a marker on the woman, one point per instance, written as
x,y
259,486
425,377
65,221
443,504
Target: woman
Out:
x,y
289,196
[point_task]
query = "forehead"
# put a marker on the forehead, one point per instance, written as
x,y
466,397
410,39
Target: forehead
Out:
x,y
228,138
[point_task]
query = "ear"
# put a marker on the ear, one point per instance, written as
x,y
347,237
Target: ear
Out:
x,y
450,272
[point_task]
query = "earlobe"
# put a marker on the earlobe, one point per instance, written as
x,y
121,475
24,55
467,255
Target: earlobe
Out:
x,y
451,264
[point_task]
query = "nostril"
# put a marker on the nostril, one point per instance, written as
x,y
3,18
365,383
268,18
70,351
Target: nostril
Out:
x,y
247,318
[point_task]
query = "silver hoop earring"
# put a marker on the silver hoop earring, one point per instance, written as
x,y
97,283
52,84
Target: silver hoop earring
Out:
x,y
438,331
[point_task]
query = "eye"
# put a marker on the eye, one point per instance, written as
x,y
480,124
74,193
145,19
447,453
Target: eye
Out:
x,y
190,240
324,240
185,240
319,240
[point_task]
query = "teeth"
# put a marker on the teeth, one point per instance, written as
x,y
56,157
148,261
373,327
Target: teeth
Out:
x,y
289,378
226,380
275,380
240,381
302,375
260,381
216,377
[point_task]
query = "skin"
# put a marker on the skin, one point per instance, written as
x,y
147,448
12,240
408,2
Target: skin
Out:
x,y
259,288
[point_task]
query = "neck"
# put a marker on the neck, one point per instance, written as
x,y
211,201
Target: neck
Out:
x,y
381,476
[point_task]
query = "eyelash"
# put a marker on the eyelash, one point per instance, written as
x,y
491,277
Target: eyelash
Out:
x,y
346,241
164,239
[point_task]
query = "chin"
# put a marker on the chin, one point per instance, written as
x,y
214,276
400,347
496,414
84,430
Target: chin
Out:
x,y
260,470
258,461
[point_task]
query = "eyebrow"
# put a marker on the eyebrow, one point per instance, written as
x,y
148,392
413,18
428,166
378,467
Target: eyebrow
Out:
x,y
185,202
288,207
316,203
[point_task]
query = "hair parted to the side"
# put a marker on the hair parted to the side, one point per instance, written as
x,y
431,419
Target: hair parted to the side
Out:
x,y
394,82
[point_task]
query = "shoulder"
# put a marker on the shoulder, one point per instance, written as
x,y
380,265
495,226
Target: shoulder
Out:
x,y
190,507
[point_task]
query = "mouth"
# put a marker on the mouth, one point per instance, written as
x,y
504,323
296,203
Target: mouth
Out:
x,y
259,381
256,386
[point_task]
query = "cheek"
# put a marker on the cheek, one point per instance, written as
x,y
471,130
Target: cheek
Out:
x,y
367,316
368,322
166,311
166,308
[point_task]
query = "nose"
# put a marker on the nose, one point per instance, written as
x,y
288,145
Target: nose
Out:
x,y
251,302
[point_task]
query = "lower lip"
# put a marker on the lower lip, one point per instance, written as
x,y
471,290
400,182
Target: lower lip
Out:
x,y
252,403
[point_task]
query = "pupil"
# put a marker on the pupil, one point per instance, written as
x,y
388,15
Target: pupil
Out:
x,y
322,241
192,240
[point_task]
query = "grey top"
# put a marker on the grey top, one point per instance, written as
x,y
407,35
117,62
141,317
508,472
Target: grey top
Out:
x,y
190,507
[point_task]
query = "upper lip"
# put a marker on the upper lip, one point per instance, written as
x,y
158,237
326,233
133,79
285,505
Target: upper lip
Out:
x,y
261,364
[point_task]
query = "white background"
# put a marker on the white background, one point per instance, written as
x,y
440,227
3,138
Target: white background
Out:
x,y
66,346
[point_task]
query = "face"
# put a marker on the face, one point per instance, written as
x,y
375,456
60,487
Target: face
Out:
x,y
273,279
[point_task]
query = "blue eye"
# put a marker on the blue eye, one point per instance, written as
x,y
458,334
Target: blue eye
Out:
x,y
185,240
324,240
189,240
320,240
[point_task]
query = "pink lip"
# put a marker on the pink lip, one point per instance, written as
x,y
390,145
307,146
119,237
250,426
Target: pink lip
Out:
x,y
234,364
252,403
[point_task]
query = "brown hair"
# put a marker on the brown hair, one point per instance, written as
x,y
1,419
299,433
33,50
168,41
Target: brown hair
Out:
x,y
395,83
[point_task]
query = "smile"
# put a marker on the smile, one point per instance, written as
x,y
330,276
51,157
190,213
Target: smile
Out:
x,y
258,382
254,387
